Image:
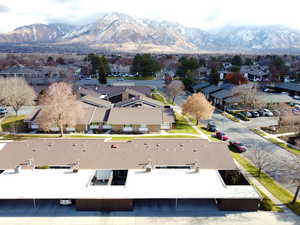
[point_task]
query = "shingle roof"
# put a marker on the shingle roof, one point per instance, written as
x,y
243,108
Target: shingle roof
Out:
x,y
268,98
210,89
112,90
97,154
95,101
289,86
201,85
140,99
140,115
222,94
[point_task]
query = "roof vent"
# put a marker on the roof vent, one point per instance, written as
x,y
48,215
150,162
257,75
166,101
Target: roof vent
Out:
x,y
181,145
113,146
157,145
18,169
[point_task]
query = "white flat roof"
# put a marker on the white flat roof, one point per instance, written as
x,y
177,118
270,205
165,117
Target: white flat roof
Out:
x,y
159,183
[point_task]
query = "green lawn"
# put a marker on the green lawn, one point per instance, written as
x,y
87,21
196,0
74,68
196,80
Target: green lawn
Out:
x,y
275,141
267,204
182,125
275,188
31,136
259,132
158,97
231,117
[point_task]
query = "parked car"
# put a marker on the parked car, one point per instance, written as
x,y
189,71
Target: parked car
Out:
x,y
3,111
243,116
211,126
248,114
267,112
254,114
222,136
297,97
261,112
65,202
238,146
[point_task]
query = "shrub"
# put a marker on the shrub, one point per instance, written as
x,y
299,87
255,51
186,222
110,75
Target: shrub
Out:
x,y
42,167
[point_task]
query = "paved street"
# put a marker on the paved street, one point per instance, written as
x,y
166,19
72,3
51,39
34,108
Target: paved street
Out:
x,y
240,132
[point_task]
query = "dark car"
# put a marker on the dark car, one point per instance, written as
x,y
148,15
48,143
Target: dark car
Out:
x,y
261,112
255,114
222,136
238,146
211,126
3,111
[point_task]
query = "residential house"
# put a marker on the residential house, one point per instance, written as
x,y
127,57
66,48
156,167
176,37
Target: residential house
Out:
x,y
140,120
92,118
140,101
200,86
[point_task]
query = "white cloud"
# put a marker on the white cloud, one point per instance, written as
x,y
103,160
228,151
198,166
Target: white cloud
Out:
x,y
196,13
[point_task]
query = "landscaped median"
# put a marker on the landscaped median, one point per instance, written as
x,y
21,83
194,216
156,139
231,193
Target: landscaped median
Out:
x,y
276,141
231,117
281,193
12,123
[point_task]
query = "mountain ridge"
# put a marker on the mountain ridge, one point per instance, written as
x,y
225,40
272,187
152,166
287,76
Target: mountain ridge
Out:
x,y
122,32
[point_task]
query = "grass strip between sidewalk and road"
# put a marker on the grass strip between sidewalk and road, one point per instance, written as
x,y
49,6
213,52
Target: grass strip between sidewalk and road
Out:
x,y
231,117
17,137
276,142
278,191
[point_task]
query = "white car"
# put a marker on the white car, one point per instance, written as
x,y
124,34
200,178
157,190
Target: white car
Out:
x,y
65,202
268,112
297,97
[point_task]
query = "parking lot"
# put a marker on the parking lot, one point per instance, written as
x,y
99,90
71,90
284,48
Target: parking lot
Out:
x,y
261,122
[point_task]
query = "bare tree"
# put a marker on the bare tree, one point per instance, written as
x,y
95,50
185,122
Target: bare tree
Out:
x,y
60,107
260,158
198,107
16,92
174,89
293,175
249,96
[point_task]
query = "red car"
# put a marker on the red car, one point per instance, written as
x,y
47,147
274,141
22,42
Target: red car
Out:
x,y
238,146
222,136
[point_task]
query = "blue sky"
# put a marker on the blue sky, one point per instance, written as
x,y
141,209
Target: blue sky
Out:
x,y
205,14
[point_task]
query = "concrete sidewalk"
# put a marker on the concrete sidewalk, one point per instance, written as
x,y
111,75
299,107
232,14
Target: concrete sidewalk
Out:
x,y
262,188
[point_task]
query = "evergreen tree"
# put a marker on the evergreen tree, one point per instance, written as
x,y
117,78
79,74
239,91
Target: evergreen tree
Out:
x,y
100,66
186,64
145,65
214,76
237,60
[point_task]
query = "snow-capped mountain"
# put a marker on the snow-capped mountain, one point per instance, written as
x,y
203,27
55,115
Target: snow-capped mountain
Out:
x,y
121,32
36,33
254,37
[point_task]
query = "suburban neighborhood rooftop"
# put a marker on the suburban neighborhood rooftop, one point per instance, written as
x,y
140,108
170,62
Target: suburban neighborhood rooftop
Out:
x,y
98,154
